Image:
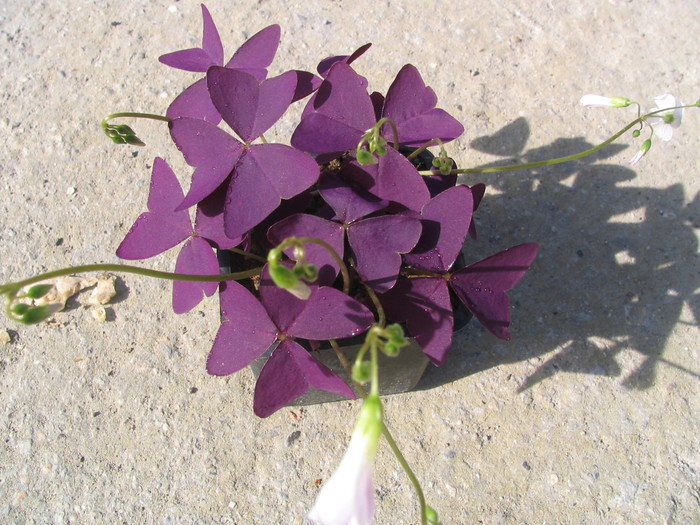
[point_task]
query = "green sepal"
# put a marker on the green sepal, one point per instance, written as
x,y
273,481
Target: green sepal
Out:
x,y
365,158
38,314
361,371
134,140
431,515
20,309
39,291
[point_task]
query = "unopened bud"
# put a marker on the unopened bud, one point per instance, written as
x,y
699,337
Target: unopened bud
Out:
x,y
365,158
39,291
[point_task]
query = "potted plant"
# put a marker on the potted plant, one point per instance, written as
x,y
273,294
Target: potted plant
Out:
x,y
349,231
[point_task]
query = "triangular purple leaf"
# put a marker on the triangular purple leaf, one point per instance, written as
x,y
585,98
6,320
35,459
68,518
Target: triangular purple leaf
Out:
x,y
245,333
481,286
265,174
330,314
257,53
349,203
445,220
304,225
325,65
392,178
196,257
199,59
424,305
478,191
343,113
377,243
209,220
161,227
249,107
194,102
411,105
211,151
288,374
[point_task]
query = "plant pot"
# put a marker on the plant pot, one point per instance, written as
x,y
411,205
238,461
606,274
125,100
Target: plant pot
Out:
x,y
396,374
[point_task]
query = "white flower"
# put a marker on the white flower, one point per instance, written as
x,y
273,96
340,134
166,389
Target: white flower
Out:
x,y
347,498
665,122
646,145
599,101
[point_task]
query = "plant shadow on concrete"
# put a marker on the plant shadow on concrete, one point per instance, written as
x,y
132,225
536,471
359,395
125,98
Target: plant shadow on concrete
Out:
x,y
617,264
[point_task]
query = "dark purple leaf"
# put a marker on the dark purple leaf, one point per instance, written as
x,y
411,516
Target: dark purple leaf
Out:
x,y
349,203
245,333
481,286
282,307
194,102
424,305
199,59
377,243
411,105
445,220
196,257
265,174
160,228
288,374
256,53
393,178
330,314
209,221
250,107
478,191
211,151
304,225
324,65
343,112
307,83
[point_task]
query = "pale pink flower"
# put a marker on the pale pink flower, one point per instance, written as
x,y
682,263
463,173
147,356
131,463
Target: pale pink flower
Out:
x,y
599,101
664,123
646,145
347,498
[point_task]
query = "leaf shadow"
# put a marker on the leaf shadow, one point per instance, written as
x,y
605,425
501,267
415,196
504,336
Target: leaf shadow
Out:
x,y
617,264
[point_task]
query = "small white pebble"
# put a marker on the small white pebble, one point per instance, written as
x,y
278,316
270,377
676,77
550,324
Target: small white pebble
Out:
x,y
104,292
71,191
172,9
5,337
99,314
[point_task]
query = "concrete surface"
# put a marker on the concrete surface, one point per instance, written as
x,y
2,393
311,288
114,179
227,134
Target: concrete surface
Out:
x,y
589,415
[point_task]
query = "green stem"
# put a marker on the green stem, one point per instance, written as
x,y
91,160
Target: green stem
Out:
x,y
404,464
248,254
125,268
151,116
424,147
394,129
559,160
387,435
338,259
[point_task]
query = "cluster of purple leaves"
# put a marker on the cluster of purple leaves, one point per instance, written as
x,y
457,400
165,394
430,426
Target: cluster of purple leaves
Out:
x,y
398,231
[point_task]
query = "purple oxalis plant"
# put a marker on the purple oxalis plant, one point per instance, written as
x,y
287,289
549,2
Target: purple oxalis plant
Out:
x,y
396,232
